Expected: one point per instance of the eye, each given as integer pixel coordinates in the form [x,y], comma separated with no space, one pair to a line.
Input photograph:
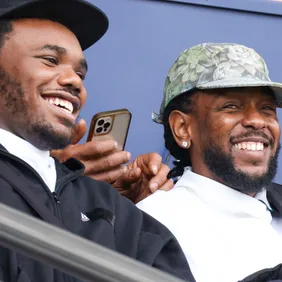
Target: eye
[82,76]
[230,106]
[51,60]
[269,108]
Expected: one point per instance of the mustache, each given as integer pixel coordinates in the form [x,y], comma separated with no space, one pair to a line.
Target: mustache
[253,133]
[73,91]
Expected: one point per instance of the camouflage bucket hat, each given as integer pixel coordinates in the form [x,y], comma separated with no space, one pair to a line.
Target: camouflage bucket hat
[216,65]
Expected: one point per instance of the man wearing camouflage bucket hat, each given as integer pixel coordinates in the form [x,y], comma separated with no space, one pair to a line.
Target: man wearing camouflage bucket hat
[220,123]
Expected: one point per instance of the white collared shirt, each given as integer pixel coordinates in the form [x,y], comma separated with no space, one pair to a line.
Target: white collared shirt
[225,235]
[39,160]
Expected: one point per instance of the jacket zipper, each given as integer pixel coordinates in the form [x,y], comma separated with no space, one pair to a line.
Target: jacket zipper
[53,195]
[56,197]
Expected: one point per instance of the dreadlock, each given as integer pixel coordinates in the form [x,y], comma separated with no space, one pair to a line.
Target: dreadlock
[186,104]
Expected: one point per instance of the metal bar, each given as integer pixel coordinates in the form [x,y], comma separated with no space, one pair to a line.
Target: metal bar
[70,253]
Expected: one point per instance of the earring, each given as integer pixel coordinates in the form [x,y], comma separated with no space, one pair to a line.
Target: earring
[184,144]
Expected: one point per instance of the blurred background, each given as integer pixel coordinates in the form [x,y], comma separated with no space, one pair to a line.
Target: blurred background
[128,67]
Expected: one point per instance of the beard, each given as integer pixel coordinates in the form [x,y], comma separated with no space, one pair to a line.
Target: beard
[19,119]
[222,165]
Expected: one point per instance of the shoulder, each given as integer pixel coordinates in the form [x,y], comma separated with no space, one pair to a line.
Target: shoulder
[165,205]
[165,200]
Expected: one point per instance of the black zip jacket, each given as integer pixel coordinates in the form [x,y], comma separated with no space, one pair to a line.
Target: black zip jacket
[266,275]
[274,196]
[114,222]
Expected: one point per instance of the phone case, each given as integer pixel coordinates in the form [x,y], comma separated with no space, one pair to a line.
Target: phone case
[110,125]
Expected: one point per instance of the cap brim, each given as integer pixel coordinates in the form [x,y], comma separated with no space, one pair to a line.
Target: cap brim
[85,20]
[245,82]
[234,83]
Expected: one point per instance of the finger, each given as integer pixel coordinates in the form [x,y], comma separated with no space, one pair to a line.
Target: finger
[160,179]
[130,176]
[92,150]
[149,163]
[79,131]
[111,175]
[167,186]
[106,162]
[155,163]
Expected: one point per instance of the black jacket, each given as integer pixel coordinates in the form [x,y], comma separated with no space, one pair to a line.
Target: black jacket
[266,275]
[114,221]
[274,196]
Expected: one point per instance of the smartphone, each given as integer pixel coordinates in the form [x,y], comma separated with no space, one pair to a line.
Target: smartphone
[112,125]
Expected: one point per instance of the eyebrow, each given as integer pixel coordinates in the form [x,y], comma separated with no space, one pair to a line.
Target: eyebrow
[56,48]
[63,51]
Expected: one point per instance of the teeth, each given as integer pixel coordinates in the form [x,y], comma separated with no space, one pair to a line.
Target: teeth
[250,146]
[66,105]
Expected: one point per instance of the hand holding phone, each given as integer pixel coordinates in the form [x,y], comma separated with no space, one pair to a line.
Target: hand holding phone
[110,125]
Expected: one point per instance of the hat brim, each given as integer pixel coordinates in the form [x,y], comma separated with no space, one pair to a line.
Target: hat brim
[245,82]
[234,83]
[85,20]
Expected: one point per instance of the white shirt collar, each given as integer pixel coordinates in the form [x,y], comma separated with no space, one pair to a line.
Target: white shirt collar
[262,197]
[38,159]
[222,197]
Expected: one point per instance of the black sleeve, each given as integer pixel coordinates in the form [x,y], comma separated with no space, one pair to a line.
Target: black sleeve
[8,261]
[149,241]
[266,275]
[170,257]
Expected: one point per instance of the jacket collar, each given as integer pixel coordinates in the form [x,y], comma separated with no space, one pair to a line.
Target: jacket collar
[274,196]
[71,165]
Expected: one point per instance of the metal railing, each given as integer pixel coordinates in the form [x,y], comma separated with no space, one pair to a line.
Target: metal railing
[70,253]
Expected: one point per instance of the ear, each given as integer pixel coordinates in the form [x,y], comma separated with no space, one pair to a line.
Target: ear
[180,125]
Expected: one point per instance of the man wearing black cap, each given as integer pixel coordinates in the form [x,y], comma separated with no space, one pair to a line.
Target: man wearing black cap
[42,68]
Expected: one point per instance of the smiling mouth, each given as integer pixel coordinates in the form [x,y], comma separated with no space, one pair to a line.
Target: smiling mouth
[60,103]
[249,146]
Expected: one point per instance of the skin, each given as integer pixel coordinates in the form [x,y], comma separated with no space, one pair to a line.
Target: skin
[36,65]
[42,65]
[222,117]
[104,162]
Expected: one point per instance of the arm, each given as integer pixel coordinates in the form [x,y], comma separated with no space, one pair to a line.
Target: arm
[170,257]
[103,162]
[144,238]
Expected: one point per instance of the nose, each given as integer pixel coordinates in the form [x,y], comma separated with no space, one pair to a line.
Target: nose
[69,78]
[253,119]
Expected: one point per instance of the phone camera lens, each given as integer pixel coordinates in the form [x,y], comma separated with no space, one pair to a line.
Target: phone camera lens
[99,129]
[100,122]
[106,125]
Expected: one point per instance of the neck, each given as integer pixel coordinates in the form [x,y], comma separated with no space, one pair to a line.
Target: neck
[204,171]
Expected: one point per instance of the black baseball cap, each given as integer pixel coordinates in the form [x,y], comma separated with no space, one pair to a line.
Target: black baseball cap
[84,19]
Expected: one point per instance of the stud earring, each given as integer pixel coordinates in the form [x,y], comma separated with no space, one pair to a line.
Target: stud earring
[184,144]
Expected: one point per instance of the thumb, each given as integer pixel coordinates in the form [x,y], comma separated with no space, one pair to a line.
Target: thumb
[79,131]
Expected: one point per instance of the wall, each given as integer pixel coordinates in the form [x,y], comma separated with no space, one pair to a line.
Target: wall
[129,65]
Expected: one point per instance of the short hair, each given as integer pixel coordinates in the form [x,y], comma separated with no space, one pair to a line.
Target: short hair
[186,104]
[6,27]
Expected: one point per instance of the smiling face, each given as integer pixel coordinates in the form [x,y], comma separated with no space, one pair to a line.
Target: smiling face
[234,135]
[41,83]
